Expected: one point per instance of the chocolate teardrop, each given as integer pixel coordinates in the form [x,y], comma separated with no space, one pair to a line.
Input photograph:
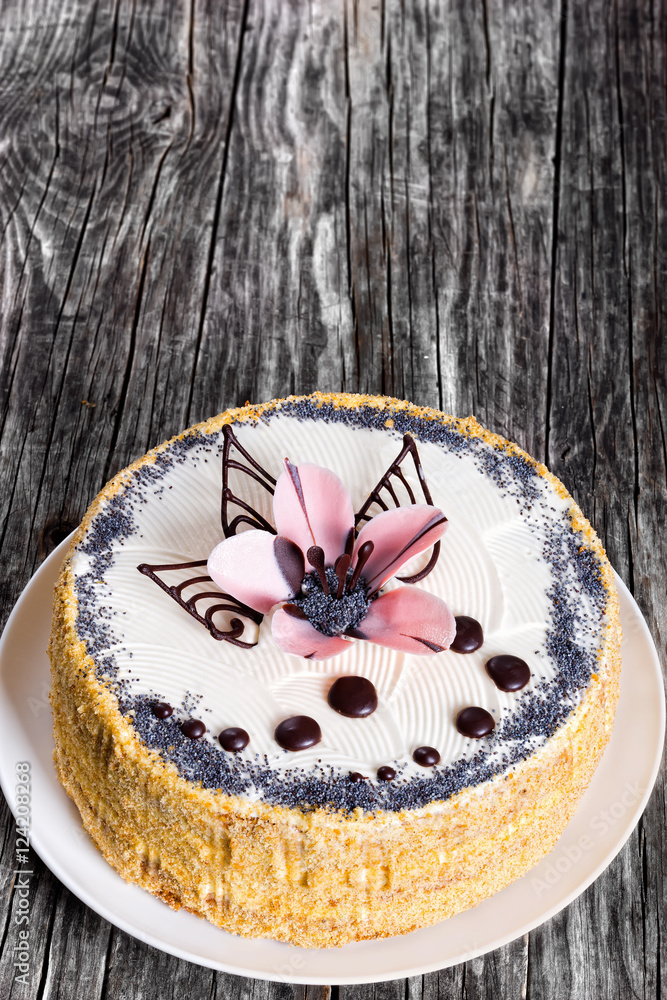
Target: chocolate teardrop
[426,756]
[469,635]
[298,733]
[193,728]
[509,673]
[354,697]
[233,739]
[475,722]
[162,710]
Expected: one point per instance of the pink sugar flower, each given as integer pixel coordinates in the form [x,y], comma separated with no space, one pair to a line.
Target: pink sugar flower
[326,581]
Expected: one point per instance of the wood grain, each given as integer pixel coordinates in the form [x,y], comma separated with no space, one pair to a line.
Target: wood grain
[458,203]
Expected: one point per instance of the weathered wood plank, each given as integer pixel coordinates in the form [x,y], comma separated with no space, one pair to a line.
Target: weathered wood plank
[202,203]
[77,953]
[642,92]
[279,318]
[115,120]
[492,136]
[605,438]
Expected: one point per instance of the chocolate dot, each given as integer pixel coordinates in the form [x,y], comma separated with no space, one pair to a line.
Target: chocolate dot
[386,773]
[354,697]
[426,756]
[475,722]
[161,710]
[355,776]
[509,673]
[193,728]
[298,733]
[233,738]
[469,635]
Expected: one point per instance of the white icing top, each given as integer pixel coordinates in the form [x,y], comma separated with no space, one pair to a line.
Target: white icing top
[491,567]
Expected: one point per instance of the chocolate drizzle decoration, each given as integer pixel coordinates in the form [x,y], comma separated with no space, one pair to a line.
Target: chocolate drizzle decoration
[252,469]
[249,516]
[395,472]
[225,603]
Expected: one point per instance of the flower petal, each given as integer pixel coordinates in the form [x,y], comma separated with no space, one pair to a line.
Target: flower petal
[297,636]
[397,536]
[409,619]
[312,507]
[257,568]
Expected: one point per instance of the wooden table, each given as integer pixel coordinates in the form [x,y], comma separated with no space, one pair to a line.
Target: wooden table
[460,203]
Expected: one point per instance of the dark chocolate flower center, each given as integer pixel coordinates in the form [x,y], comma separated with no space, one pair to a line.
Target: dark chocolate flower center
[328,613]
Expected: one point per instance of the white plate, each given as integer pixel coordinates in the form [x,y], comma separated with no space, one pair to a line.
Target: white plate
[606,816]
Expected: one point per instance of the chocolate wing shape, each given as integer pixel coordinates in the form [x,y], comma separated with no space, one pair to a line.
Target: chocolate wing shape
[251,468]
[384,494]
[234,456]
[224,602]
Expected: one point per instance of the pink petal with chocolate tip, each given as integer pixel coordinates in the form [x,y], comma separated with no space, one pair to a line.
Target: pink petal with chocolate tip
[397,536]
[298,637]
[312,507]
[247,567]
[410,620]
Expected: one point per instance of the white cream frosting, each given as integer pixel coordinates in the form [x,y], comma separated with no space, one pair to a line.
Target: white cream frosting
[491,567]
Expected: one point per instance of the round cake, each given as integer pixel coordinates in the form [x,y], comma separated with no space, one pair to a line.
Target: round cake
[331,668]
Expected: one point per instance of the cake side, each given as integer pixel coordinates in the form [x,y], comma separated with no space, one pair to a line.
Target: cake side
[314,876]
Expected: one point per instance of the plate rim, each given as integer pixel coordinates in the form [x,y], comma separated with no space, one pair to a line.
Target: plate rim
[40,844]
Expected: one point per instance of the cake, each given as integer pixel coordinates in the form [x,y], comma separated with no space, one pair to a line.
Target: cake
[344,740]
